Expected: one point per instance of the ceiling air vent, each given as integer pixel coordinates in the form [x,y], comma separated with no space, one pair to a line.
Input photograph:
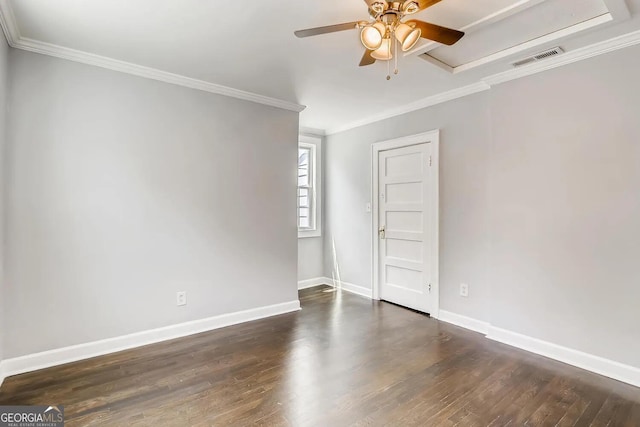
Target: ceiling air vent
[539,57]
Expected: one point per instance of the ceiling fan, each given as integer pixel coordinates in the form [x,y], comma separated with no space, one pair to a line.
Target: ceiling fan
[381,36]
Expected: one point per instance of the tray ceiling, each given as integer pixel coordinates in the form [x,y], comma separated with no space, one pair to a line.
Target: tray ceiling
[250,46]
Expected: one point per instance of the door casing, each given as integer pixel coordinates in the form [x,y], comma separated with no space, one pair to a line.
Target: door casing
[431,137]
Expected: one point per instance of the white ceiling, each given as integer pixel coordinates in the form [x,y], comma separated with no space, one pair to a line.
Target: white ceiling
[251,46]
[544,18]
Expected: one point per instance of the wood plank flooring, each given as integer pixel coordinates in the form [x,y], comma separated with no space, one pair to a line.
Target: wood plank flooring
[341,361]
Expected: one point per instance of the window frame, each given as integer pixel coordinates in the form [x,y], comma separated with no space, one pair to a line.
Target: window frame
[314,145]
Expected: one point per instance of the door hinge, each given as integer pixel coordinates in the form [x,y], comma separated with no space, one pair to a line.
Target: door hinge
[430,161]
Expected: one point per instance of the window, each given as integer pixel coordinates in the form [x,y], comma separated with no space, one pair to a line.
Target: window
[305,188]
[309,221]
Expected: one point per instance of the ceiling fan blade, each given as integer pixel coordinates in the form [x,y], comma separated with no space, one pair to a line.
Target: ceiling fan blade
[437,33]
[367,59]
[423,4]
[328,29]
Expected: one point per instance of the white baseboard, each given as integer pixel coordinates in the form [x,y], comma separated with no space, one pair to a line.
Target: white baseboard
[599,365]
[589,362]
[46,359]
[354,289]
[464,321]
[2,375]
[345,286]
[316,281]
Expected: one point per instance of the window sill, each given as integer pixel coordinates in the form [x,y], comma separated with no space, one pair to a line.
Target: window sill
[309,233]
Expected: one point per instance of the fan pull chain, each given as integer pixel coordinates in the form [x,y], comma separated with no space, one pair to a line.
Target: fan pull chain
[389,63]
[395,54]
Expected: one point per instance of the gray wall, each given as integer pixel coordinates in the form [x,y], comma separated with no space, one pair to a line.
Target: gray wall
[465,141]
[123,190]
[310,258]
[540,205]
[4,52]
[565,206]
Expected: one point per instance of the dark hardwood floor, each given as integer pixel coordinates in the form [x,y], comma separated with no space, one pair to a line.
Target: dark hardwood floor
[343,360]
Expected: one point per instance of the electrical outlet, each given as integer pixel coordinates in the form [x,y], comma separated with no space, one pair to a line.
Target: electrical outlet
[464,290]
[181,298]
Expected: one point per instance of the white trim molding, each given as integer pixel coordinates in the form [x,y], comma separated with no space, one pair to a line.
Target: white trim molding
[46,359]
[464,322]
[311,132]
[8,22]
[314,143]
[511,9]
[547,38]
[150,73]
[15,40]
[580,54]
[353,289]
[2,375]
[596,49]
[417,105]
[599,365]
[617,9]
[589,362]
[312,283]
[336,284]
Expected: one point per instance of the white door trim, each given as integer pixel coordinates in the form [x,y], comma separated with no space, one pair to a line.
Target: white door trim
[431,137]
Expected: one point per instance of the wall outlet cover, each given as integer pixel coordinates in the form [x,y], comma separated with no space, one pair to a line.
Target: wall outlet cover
[181,298]
[464,290]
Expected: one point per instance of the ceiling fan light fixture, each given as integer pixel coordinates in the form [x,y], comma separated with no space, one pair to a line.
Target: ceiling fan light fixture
[385,35]
[410,7]
[372,35]
[407,36]
[383,53]
[378,6]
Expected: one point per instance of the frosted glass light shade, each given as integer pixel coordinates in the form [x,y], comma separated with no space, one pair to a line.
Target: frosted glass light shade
[383,53]
[378,6]
[410,7]
[407,36]
[371,36]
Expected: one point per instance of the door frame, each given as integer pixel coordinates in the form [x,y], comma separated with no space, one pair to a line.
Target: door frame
[431,137]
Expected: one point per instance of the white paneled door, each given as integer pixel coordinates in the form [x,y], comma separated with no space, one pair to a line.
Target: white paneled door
[405,236]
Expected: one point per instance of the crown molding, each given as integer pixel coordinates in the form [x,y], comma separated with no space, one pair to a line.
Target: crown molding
[417,105]
[537,42]
[596,49]
[150,73]
[312,131]
[8,23]
[618,11]
[496,16]
[522,47]
[12,33]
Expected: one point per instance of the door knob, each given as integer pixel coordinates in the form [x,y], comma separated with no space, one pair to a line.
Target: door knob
[381,232]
